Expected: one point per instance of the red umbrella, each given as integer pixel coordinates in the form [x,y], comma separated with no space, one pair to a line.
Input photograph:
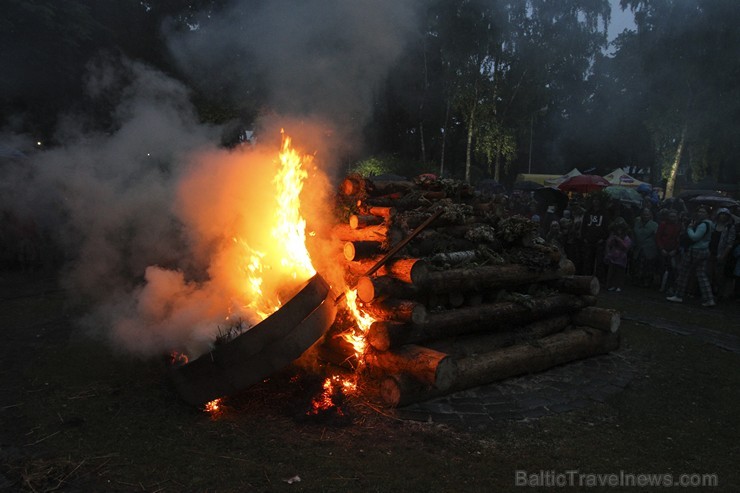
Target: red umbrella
[583,184]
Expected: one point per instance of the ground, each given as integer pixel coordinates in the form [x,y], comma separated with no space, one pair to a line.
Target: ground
[76,416]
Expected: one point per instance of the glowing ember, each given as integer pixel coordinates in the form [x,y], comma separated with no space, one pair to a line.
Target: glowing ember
[335,388]
[287,261]
[178,358]
[213,407]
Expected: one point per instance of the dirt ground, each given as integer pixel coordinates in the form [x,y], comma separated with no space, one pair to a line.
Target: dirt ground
[76,416]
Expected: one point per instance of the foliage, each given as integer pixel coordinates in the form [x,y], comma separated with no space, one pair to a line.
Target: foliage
[483,86]
[374,166]
[388,165]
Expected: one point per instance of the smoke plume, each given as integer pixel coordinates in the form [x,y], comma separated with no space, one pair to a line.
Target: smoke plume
[150,216]
[323,58]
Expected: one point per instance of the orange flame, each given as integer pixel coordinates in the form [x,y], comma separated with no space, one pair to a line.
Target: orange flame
[356,335]
[332,386]
[213,407]
[287,262]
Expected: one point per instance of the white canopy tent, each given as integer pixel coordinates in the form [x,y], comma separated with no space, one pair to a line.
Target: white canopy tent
[554,182]
[620,177]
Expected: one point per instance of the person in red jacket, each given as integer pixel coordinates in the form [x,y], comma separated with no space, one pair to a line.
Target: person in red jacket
[666,238]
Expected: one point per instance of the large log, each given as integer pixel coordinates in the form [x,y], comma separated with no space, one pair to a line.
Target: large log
[588,285]
[426,365]
[511,361]
[384,212]
[344,232]
[380,334]
[490,277]
[383,287]
[352,185]
[481,343]
[359,222]
[408,270]
[604,319]
[386,187]
[397,311]
[467,320]
[361,249]
[453,257]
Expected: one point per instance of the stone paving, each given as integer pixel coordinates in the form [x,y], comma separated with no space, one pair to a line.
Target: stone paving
[560,389]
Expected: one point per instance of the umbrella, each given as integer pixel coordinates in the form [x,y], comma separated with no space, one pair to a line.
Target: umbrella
[551,196]
[624,194]
[583,184]
[688,194]
[715,201]
[526,185]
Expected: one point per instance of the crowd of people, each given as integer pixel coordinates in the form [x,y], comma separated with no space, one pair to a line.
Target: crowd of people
[681,250]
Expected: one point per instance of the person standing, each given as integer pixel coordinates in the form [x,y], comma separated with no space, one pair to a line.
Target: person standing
[615,254]
[595,233]
[666,239]
[645,251]
[696,258]
[723,277]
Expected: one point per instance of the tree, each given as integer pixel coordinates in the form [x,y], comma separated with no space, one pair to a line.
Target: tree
[688,54]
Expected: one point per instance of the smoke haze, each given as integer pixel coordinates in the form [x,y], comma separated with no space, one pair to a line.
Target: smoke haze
[323,58]
[150,215]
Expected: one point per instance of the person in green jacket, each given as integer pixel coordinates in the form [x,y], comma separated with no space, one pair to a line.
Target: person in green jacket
[696,258]
[645,249]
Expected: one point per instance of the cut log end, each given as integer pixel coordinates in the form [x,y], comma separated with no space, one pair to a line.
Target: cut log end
[604,319]
[354,250]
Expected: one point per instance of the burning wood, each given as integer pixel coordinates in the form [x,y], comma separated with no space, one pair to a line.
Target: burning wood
[448,295]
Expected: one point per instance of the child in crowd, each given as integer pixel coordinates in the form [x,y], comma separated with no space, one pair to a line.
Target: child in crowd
[615,255]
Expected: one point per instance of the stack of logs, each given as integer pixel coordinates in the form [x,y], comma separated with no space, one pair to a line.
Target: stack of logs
[473,298]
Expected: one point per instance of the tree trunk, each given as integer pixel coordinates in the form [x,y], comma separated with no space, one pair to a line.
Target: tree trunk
[671,182]
[469,142]
[444,140]
[497,168]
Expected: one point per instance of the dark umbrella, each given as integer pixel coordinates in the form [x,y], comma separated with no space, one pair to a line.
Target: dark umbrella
[715,201]
[526,186]
[551,196]
[584,184]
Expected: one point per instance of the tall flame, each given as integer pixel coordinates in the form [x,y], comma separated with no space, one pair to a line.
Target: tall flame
[356,336]
[287,261]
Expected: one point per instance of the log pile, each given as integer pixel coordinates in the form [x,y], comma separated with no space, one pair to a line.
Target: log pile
[462,294]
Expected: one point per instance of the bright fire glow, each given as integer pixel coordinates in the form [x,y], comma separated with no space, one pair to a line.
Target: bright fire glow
[356,336]
[213,406]
[332,386]
[287,262]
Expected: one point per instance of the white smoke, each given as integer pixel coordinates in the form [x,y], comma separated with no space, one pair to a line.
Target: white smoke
[322,58]
[142,211]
